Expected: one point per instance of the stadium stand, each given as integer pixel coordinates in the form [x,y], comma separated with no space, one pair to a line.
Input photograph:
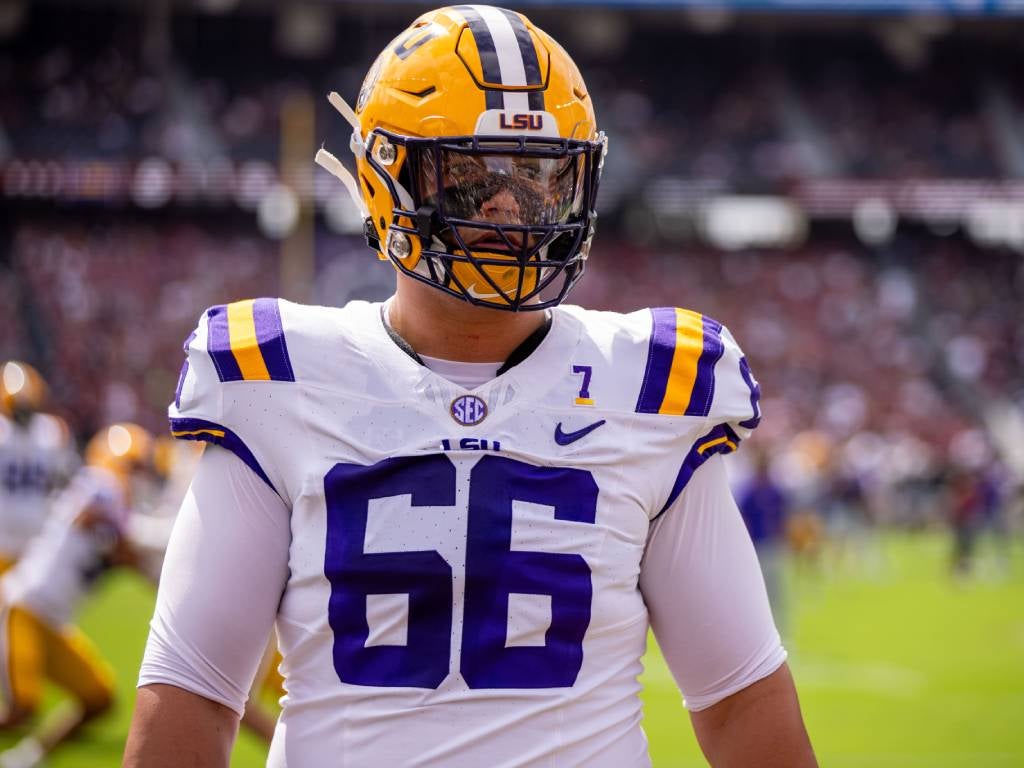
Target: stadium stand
[892,347]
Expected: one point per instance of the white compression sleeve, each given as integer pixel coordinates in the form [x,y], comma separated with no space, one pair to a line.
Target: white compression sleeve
[706,597]
[222,580]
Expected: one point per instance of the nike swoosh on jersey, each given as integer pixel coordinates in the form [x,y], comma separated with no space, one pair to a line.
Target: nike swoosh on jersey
[565,438]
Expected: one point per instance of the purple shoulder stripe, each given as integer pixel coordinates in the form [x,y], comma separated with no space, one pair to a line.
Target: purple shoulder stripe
[270,336]
[721,439]
[755,396]
[704,383]
[659,360]
[211,432]
[184,370]
[219,344]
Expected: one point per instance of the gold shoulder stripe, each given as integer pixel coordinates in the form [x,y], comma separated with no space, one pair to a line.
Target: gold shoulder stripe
[717,441]
[683,373]
[244,344]
[187,432]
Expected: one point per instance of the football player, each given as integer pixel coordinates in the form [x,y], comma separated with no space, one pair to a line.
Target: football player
[40,595]
[464,507]
[36,457]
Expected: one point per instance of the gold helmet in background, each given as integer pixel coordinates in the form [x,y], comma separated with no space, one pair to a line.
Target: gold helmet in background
[23,390]
[477,158]
[121,448]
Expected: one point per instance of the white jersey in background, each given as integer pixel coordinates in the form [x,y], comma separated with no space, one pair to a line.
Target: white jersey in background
[60,564]
[34,460]
[149,525]
[465,577]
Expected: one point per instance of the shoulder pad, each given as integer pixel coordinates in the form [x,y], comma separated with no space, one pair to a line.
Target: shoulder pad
[684,348]
[696,368]
[239,342]
[245,341]
[707,375]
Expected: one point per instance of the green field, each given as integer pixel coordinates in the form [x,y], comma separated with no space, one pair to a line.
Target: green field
[897,665]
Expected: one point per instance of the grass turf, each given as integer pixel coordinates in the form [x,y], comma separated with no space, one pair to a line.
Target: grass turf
[898,665]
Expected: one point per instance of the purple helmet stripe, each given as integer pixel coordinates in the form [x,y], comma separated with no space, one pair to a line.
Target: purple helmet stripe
[531,62]
[488,53]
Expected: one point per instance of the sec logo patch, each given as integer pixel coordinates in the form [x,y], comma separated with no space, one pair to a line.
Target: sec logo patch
[468,410]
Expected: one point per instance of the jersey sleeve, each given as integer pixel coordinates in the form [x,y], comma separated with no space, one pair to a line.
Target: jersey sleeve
[695,368]
[705,594]
[232,359]
[223,577]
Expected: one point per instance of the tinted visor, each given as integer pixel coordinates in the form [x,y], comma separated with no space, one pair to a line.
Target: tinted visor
[497,188]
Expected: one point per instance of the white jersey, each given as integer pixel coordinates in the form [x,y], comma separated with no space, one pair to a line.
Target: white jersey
[149,526]
[61,563]
[463,568]
[34,459]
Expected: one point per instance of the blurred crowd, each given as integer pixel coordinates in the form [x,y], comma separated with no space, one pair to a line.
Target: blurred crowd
[885,370]
[886,374]
[892,374]
[103,309]
[879,369]
[747,107]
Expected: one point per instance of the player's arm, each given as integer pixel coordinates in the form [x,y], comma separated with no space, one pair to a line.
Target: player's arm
[759,725]
[225,571]
[710,614]
[173,727]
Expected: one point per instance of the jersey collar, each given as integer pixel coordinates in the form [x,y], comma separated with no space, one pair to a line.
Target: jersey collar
[519,354]
[529,373]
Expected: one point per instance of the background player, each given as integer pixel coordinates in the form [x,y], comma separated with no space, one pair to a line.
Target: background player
[41,594]
[36,458]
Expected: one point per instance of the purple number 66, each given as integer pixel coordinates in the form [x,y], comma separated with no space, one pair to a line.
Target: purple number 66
[493,572]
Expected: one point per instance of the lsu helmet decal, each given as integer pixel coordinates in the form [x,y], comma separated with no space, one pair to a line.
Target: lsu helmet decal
[477,158]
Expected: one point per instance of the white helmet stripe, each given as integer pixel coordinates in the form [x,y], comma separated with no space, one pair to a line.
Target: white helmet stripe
[488,56]
[531,61]
[510,56]
[507,55]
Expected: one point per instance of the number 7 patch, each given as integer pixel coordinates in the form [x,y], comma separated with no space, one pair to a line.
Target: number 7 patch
[583,397]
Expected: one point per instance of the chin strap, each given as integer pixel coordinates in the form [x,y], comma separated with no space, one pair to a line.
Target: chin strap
[355,143]
[346,111]
[333,165]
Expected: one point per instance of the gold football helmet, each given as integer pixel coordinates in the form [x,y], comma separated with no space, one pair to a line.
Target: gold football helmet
[477,158]
[22,389]
[121,448]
